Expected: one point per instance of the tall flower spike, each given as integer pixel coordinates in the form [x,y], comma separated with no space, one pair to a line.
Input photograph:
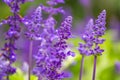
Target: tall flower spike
[92,39]
[88,37]
[33,24]
[8,55]
[92,35]
[99,27]
[99,30]
[64,31]
[33,33]
[85,48]
[52,51]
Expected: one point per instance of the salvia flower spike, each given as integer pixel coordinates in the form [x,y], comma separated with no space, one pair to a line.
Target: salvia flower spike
[33,33]
[8,56]
[52,51]
[99,30]
[92,38]
[85,48]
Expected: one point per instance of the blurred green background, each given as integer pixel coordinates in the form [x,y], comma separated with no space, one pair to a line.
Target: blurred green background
[82,11]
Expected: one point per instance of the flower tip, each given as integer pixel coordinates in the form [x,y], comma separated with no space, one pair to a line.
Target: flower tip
[90,21]
[69,19]
[104,11]
[39,9]
[90,24]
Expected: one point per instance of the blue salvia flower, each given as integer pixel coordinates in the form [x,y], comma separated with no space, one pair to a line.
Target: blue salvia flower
[8,55]
[92,35]
[52,50]
[33,24]
[88,37]
[99,30]
[92,38]
[34,29]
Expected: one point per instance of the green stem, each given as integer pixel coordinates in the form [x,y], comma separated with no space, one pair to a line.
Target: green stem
[81,69]
[94,68]
[30,59]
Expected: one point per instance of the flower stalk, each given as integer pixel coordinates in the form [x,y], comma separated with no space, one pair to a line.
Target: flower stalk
[30,59]
[94,68]
[81,69]
[92,39]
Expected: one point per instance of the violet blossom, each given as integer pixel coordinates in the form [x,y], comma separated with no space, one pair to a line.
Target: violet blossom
[8,55]
[52,51]
[33,24]
[92,35]
[92,39]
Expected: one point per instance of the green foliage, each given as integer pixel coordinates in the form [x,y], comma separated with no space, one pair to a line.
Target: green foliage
[19,75]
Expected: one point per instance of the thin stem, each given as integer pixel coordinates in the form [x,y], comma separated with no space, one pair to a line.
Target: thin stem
[94,68]
[81,69]
[30,59]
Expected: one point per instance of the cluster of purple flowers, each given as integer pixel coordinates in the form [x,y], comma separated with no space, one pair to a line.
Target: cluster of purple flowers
[52,51]
[8,55]
[53,47]
[92,35]
[33,24]
[92,38]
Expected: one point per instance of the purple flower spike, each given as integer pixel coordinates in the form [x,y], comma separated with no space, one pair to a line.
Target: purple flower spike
[33,24]
[8,55]
[88,37]
[64,31]
[52,50]
[91,37]
[99,27]
[92,34]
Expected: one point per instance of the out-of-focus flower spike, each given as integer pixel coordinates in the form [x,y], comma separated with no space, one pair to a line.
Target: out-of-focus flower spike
[100,23]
